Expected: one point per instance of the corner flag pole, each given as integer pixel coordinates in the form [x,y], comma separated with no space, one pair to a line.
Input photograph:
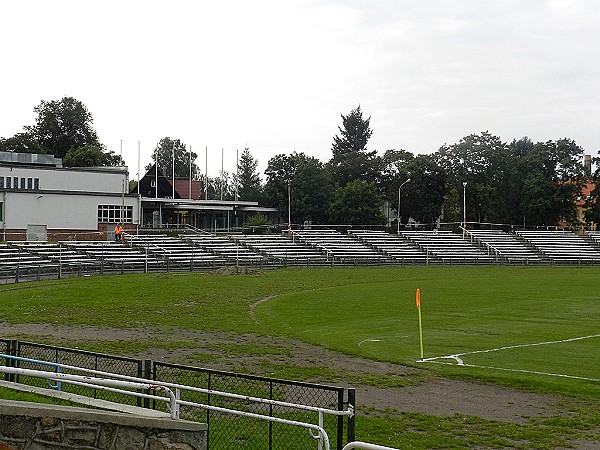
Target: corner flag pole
[418,301]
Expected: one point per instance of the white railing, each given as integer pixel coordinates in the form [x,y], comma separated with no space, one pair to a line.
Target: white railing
[119,383]
[366,446]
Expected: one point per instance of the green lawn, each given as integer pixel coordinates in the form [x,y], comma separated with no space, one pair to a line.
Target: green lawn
[532,327]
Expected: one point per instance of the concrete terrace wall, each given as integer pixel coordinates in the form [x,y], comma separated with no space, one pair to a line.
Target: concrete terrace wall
[32,426]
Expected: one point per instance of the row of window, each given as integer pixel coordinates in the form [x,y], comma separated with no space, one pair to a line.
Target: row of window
[115,213]
[19,183]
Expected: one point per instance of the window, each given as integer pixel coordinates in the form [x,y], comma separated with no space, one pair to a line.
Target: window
[36,183]
[7,182]
[23,183]
[112,213]
[1,211]
[29,183]
[1,182]
[15,182]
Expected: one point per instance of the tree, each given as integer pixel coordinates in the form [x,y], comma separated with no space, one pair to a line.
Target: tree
[350,159]
[523,182]
[311,192]
[592,213]
[483,162]
[247,179]
[258,222]
[21,143]
[357,203]
[423,196]
[63,128]
[548,177]
[280,171]
[91,156]
[62,125]
[309,183]
[220,188]
[168,150]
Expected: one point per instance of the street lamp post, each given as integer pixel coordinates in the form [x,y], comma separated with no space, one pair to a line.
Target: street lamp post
[399,188]
[464,205]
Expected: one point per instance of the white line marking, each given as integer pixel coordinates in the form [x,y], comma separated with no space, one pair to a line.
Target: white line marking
[368,340]
[520,370]
[457,357]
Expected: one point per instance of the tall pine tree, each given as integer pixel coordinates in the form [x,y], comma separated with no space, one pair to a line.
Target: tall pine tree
[351,160]
[248,180]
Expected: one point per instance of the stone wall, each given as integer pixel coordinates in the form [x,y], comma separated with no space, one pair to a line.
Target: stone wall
[32,426]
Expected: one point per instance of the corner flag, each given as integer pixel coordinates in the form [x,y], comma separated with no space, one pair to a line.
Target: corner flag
[418,302]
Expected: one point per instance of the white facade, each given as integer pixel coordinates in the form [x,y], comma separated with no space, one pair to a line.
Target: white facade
[70,200]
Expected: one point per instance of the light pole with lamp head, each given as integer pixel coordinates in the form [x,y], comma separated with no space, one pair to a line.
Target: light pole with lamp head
[399,188]
[464,206]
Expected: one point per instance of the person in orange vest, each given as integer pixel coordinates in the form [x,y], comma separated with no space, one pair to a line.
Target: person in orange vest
[118,233]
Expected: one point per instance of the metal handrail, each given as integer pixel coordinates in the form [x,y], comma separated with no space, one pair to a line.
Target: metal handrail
[366,446]
[173,391]
[349,412]
[103,383]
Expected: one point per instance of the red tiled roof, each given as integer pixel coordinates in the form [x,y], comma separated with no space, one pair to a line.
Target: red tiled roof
[586,191]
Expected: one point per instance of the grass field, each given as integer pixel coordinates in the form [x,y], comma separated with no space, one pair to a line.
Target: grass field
[529,327]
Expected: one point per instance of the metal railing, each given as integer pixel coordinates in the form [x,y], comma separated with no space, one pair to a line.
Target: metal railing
[204,387]
[366,446]
[138,387]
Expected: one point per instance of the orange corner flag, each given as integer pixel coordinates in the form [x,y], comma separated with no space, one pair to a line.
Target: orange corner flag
[418,298]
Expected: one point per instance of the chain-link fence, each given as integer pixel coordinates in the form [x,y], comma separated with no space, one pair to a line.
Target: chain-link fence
[225,431]
[232,432]
[73,357]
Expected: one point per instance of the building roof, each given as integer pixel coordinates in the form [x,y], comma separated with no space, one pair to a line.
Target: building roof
[182,188]
[586,192]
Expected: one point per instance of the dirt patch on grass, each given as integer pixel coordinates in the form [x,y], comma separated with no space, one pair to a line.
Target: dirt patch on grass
[379,386]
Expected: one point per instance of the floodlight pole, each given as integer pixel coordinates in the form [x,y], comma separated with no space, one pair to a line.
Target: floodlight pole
[399,188]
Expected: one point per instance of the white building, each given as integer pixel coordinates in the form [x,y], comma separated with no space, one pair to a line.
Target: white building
[41,200]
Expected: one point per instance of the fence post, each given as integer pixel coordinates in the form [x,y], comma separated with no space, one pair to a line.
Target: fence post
[148,375]
[352,420]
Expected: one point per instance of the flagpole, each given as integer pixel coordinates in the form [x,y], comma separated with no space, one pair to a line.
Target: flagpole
[418,301]
[173,195]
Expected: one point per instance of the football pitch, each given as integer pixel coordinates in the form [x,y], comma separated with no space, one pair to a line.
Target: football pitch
[528,326]
[517,324]
[534,328]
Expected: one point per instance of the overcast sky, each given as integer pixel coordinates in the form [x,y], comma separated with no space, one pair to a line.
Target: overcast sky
[276,75]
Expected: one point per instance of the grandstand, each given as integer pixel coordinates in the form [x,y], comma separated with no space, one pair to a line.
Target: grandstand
[505,247]
[341,248]
[280,248]
[396,248]
[173,251]
[562,247]
[155,251]
[448,248]
[227,248]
